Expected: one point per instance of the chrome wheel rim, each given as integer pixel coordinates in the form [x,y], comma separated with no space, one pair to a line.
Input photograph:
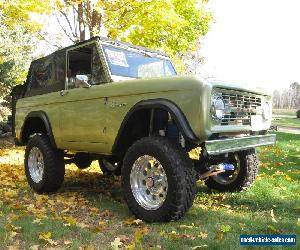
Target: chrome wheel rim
[36,164]
[148,181]
[229,176]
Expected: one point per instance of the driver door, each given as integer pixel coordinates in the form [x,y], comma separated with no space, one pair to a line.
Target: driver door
[82,121]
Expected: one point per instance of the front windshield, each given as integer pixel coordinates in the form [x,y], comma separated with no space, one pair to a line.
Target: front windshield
[136,64]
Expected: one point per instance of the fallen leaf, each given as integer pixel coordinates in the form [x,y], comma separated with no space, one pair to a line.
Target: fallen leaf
[123,238]
[13,235]
[13,247]
[87,248]
[11,227]
[82,225]
[67,242]
[138,235]
[94,210]
[10,194]
[97,229]
[116,244]
[186,226]
[225,228]
[69,220]
[133,221]
[65,210]
[273,229]
[288,178]
[203,235]
[219,236]
[106,213]
[46,236]
[34,247]
[199,247]
[37,221]
[272,216]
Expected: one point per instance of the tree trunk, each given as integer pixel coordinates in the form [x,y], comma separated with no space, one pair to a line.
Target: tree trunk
[81,23]
[96,23]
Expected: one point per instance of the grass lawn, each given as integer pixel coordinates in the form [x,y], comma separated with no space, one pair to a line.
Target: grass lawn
[89,213]
[287,122]
[289,112]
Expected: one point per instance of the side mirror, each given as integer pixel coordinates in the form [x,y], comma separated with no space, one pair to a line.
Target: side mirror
[81,81]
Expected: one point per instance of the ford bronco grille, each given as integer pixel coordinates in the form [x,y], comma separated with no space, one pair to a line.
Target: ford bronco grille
[239,107]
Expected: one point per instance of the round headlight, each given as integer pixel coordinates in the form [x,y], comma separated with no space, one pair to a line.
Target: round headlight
[217,107]
[267,110]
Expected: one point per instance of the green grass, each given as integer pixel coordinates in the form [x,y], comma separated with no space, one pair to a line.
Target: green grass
[287,122]
[290,112]
[214,222]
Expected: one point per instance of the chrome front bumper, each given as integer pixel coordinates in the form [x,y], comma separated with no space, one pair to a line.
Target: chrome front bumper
[217,147]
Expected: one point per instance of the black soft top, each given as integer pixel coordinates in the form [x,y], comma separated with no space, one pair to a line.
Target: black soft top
[103,39]
[19,91]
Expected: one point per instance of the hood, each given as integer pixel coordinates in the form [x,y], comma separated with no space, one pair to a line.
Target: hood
[239,86]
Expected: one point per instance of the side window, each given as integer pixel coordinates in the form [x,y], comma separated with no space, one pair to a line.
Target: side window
[85,61]
[60,70]
[42,73]
[46,75]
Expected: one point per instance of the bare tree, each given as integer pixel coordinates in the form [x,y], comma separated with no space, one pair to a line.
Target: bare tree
[289,98]
[295,95]
[276,99]
[79,21]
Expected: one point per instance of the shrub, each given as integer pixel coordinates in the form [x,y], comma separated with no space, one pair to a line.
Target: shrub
[298,113]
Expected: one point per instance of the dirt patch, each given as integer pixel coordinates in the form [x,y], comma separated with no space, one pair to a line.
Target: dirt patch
[7,142]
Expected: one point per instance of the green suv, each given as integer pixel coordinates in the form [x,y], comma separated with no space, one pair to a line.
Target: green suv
[125,106]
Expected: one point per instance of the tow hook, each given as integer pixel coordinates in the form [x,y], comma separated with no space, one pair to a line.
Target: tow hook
[216,169]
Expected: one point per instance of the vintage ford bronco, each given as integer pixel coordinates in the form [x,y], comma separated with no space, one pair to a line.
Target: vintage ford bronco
[124,106]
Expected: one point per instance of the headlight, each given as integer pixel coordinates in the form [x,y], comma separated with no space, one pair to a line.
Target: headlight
[217,107]
[267,110]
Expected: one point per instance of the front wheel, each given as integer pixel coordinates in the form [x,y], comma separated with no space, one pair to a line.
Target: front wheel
[44,165]
[241,178]
[158,180]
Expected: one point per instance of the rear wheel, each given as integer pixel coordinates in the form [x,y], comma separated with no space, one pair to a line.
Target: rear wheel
[241,178]
[82,160]
[158,180]
[44,165]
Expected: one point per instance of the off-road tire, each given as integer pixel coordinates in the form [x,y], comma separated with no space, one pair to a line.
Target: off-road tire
[82,161]
[180,173]
[107,171]
[54,169]
[249,166]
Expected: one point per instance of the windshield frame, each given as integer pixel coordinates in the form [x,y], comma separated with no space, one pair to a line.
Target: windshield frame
[131,48]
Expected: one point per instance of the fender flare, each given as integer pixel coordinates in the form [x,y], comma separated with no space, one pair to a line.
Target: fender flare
[44,117]
[164,104]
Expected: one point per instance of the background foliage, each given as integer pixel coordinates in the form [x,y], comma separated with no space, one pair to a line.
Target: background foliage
[288,99]
[173,26]
[16,46]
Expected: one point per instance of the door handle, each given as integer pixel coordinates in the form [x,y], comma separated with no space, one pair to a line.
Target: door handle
[63,92]
[105,100]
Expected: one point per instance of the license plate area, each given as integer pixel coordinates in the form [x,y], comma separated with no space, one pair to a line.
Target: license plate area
[256,122]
